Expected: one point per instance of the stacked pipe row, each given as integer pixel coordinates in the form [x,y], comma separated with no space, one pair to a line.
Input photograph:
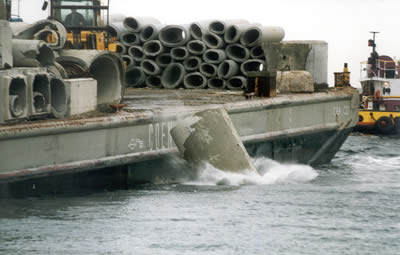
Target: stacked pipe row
[214,54]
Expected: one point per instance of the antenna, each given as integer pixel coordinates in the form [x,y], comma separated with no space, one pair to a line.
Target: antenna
[373,44]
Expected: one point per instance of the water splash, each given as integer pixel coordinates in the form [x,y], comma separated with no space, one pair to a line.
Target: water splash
[269,172]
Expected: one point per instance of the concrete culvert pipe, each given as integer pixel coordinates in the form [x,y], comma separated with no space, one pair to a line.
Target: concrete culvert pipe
[209,70]
[153,82]
[173,75]
[234,30]
[227,69]
[195,81]
[252,65]
[128,60]
[213,41]
[136,52]
[50,37]
[216,83]
[17,97]
[150,67]
[31,53]
[179,53]
[217,27]
[214,56]
[237,83]
[136,24]
[120,48]
[192,63]
[196,47]
[163,60]
[129,38]
[257,35]
[196,30]
[150,32]
[41,93]
[58,98]
[237,52]
[135,77]
[257,52]
[174,35]
[153,48]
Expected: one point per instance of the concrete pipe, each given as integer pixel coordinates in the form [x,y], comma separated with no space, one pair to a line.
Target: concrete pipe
[210,137]
[234,31]
[252,65]
[179,53]
[219,27]
[216,83]
[214,56]
[192,63]
[116,29]
[136,24]
[41,28]
[153,82]
[174,35]
[57,70]
[237,83]
[105,67]
[257,52]
[136,52]
[6,58]
[153,48]
[256,35]
[209,70]
[150,32]
[39,93]
[17,97]
[163,60]
[237,52]
[15,106]
[196,47]
[31,53]
[150,67]
[227,69]
[213,41]
[58,97]
[128,60]
[195,81]
[199,28]
[120,48]
[173,75]
[129,38]
[134,77]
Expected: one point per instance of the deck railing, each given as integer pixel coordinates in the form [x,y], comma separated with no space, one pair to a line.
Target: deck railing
[387,69]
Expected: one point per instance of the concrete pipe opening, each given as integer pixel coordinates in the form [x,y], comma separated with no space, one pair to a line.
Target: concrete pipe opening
[49,36]
[209,70]
[129,38]
[196,47]
[58,97]
[232,34]
[173,36]
[106,71]
[136,52]
[41,88]
[252,65]
[163,60]
[120,48]
[132,24]
[112,31]
[196,31]
[251,36]
[192,63]
[148,33]
[135,77]
[136,24]
[227,69]
[17,97]
[153,82]
[214,56]
[216,83]
[173,75]
[213,41]
[152,48]
[195,81]
[46,55]
[150,67]
[128,60]
[179,53]
[237,52]
[237,83]
[257,52]
[217,27]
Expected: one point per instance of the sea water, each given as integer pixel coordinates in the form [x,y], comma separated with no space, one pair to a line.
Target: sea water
[350,206]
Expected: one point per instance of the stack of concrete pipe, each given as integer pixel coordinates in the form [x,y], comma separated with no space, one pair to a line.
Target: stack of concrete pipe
[208,54]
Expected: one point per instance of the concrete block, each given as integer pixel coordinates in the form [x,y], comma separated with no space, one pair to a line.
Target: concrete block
[82,95]
[38,93]
[294,81]
[13,98]
[6,58]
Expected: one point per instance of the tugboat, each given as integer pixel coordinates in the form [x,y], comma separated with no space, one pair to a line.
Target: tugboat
[380,97]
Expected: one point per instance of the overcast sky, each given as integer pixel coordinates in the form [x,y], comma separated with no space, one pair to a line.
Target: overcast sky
[344,24]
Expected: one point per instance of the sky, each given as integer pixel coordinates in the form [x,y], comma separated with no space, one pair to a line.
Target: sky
[344,24]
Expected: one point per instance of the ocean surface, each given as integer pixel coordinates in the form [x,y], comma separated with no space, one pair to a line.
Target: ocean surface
[350,206]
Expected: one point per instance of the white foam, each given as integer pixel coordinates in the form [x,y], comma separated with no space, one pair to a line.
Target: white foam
[269,172]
